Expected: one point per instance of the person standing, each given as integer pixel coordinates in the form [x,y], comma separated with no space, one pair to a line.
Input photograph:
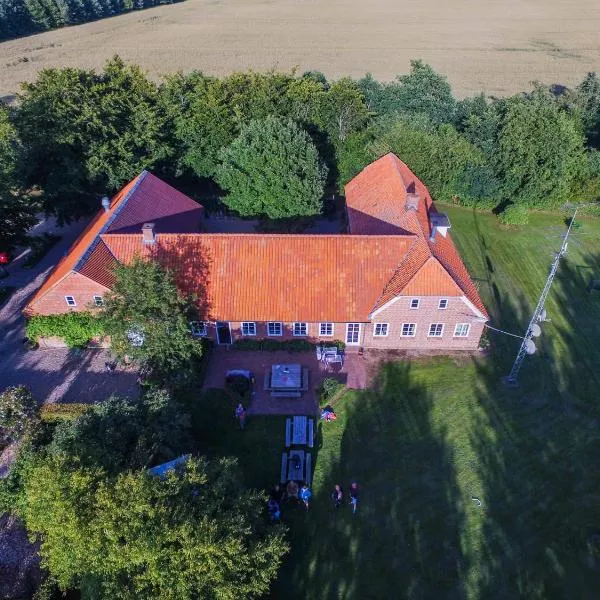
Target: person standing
[354,496]
[240,413]
[337,495]
[305,495]
[291,490]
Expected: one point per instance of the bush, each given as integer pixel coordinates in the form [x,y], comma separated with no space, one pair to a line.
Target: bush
[18,410]
[269,345]
[59,411]
[76,328]
[514,214]
[329,388]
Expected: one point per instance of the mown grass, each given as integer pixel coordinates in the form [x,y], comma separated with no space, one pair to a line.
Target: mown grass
[431,436]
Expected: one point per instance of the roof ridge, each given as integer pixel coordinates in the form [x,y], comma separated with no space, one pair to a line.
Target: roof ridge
[409,235]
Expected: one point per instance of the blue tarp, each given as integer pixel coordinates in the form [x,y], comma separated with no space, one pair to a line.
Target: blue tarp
[162,470]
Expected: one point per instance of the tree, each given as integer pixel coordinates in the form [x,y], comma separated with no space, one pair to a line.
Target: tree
[539,151]
[16,211]
[18,410]
[586,98]
[272,168]
[148,319]
[422,91]
[118,433]
[195,534]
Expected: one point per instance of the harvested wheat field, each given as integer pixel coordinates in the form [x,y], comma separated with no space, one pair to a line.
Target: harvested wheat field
[498,46]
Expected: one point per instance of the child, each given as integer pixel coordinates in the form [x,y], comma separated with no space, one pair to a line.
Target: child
[305,495]
[354,496]
[240,413]
[292,490]
[337,495]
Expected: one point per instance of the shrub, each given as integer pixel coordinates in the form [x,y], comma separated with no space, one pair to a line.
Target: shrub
[329,388]
[18,410]
[76,328]
[60,411]
[514,214]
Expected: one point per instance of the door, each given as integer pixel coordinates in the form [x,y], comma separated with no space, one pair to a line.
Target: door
[352,334]
[223,332]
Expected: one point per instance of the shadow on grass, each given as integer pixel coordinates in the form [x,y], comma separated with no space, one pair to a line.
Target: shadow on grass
[405,539]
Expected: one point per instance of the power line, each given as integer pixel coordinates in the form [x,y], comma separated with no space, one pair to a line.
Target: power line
[533,329]
[502,331]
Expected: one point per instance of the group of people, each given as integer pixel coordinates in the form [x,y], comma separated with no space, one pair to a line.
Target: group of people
[303,494]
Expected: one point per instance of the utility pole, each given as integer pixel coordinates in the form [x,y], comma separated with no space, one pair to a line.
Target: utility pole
[533,329]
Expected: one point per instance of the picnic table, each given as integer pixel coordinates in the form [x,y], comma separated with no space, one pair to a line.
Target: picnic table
[299,431]
[297,466]
[286,381]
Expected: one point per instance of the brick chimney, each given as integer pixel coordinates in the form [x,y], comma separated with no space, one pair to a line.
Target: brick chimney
[106,203]
[412,201]
[148,236]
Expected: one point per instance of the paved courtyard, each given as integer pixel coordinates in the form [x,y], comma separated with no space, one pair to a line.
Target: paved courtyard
[54,375]
[353,374]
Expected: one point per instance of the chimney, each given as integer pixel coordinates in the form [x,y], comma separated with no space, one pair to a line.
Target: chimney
[440,223]
[412,201]
[106,203]
[148,233]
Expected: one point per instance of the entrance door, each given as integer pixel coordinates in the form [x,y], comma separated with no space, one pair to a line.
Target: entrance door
[352,334]
[223,332]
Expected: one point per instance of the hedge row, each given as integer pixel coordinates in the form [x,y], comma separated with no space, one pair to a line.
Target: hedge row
[76,328]
[270,345]
[54,413]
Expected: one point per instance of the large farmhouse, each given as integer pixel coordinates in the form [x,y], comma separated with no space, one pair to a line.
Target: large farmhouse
[395,280]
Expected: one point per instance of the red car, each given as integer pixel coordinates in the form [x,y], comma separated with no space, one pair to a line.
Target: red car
[4,258]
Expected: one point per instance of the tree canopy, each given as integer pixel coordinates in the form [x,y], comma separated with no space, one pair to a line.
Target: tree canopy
[272,168]
[148,319]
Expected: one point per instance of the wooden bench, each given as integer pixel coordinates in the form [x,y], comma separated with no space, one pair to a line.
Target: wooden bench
[288,432]
[305,372]
[308,468]
[267,381]
[286,395]
[311,433]
[284,462]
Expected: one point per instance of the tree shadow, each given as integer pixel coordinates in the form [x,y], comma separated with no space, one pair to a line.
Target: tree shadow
[404,540]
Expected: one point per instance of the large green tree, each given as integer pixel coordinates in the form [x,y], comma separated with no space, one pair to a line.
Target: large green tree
[539,151]
[195,534]
[85,133]
[272,168]
[148,319]
[16,210]
[586,98]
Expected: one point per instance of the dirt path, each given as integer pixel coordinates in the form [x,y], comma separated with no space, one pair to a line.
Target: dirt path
[498,46]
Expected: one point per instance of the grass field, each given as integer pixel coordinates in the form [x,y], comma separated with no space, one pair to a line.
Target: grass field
[431,435]
[497,47]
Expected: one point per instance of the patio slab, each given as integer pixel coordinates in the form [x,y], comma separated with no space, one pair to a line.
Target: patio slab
[353,374]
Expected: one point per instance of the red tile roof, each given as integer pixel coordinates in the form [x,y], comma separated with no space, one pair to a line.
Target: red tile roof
[259,277]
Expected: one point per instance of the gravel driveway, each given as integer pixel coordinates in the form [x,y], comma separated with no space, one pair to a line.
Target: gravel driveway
[56,375]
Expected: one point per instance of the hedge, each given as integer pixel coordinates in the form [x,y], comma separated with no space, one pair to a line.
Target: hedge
[270,345]
[76,328]
[60,411]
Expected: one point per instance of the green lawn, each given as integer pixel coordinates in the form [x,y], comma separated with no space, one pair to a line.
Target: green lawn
[431,435]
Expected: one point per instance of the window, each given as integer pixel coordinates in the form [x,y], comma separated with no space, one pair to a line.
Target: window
[198,328]
[98,301]
[436,330]
[249,328]
[414,303]
[325,329]
[352,333]
[274,328]
[70,301]
[443,303]
[462,330]
[381,330]
[300,329]
[409,329]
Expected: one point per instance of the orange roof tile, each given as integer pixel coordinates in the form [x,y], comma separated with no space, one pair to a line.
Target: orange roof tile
[258,277]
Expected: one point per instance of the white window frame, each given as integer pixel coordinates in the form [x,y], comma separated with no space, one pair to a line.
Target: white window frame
[98,301]
[441,334]
[357,343]
[462,325]
[445,301]
[385,326]
[321,334]
[302,325]
[414,330]
[72,302]
[199,328]
[248,326]
[279,324]
[417,300]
